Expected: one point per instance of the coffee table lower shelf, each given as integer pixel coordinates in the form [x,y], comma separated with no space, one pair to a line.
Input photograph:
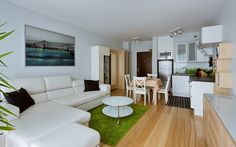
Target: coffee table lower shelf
[117,111]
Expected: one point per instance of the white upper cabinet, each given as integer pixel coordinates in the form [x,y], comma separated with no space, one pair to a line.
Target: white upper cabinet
[181,52]
[165,44]
[211,34]
[192,51]
[186,52]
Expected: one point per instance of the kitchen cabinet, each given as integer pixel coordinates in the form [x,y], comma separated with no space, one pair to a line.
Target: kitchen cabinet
[197,89]
[211,34]
[225,51]
[192,51]
[223,65]
[224,79]
[181,52]
[215,132]
[180,85]
[186,52]
[165,44]
[224,75]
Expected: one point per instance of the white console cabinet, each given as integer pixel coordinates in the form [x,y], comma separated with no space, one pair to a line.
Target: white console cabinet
[180,85]
[197,89]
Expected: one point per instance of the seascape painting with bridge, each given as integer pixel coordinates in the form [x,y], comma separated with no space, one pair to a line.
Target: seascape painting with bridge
[47,48]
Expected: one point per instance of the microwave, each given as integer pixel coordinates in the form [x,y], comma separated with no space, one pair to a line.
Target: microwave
[165,55]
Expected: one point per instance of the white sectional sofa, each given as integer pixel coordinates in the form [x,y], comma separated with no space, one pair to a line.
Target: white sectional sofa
[58,116]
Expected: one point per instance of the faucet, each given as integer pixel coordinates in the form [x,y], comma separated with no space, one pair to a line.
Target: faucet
[184,69]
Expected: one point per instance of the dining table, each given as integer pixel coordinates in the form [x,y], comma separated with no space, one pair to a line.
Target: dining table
[154,84]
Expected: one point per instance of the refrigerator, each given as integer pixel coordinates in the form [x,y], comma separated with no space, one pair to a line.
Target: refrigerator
[165,68]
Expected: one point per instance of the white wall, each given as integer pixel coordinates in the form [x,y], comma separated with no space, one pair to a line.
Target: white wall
[138,47]
[154,54]
[16,18]
[228,20]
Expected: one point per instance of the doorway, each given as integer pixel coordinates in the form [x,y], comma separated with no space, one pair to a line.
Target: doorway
[144,63]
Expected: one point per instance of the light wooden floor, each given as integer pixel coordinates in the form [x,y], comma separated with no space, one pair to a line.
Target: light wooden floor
[164,126]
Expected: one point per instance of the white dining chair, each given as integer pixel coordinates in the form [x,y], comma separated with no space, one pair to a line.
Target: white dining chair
[139,86]
[128,85]
[152,75]
[164,89]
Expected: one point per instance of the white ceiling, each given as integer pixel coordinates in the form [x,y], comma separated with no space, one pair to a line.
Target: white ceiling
[122,20]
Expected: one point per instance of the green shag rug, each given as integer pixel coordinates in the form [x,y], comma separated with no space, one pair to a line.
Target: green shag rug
[110,132]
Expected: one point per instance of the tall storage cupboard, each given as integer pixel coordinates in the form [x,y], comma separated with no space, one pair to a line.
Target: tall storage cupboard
[97,62]
[224,75]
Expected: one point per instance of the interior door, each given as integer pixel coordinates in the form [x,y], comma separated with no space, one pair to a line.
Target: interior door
[144,63]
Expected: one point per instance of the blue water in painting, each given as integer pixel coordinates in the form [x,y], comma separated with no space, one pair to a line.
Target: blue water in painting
[48,57]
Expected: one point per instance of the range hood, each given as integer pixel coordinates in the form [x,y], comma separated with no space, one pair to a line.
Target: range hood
[211,36]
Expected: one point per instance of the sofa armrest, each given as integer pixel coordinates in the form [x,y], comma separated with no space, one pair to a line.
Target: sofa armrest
[105,87]
[13,109]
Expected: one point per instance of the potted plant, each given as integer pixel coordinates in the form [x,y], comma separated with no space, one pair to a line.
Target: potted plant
[4,123]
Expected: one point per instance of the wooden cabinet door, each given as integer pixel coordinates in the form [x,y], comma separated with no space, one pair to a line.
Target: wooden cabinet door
[213,128]
[223,65]
[224,80]
[225,51]
[205,118]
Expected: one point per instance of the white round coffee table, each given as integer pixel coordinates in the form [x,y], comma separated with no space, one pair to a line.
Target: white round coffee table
[117,107]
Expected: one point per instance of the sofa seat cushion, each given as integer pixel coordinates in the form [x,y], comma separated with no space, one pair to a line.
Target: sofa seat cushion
[44,118]
[72,135]
[80,98]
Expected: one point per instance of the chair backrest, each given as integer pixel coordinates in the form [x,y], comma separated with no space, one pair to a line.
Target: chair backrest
[168,84]
[139,84]
[127,80]
[152,75]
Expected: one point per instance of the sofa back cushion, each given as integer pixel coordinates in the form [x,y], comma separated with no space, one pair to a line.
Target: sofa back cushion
[78,86]
[32,85]
[35,87]
[57,82]
[40,97]
[60,93]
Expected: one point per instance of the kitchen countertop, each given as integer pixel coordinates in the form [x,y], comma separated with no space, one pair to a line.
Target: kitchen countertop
[202,79]
[194,78]
[182,74]
[225,107]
